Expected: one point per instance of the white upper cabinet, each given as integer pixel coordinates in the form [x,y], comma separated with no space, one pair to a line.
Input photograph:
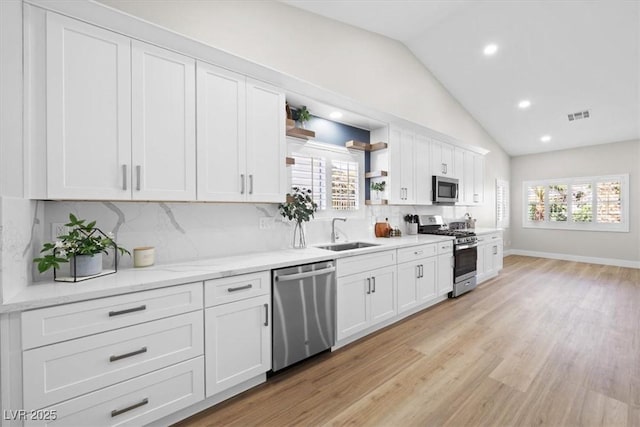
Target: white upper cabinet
[401,167]
[88,98]
[473,178]
[422,171]
[241,138]
[164,140]
[442,157]
[221,134]
[266,144]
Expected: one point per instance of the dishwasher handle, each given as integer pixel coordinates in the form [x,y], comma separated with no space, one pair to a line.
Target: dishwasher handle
[298,276]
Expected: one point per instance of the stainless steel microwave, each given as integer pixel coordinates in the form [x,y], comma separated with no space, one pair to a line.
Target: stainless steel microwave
[444,190]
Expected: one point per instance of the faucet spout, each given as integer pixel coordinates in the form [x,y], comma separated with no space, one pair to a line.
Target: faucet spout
[334,236]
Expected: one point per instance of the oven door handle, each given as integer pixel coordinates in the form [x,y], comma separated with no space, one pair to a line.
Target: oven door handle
[461,247]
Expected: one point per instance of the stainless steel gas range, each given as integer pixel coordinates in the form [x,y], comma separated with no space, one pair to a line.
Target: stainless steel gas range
[465,252]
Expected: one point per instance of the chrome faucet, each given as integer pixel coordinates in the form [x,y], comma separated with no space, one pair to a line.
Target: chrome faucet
[334,236]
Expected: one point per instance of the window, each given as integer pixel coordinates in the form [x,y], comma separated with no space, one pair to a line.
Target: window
[571,203]
[502,203]
[333,174]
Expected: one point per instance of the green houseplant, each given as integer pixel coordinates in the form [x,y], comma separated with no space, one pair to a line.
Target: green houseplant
[378,187]
[83,245]
[300,208]
[303,115]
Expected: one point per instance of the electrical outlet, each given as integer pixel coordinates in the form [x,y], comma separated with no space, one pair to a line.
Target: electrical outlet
[58,229]
[267,223]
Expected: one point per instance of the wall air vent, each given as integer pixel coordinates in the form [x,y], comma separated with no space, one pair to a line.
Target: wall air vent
[579,115]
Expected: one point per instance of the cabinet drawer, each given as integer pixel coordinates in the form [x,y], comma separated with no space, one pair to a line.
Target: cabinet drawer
[221,291]
[135,402]
[61,371]
[69,321]
[360,263]
[445,247]
[416,252]
[488,238]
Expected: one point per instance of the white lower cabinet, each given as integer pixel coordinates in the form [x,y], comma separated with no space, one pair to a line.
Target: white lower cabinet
[445,268]
[238,342]
[237,330]
[417,278]
[367,296]
[490,252]
[135,402]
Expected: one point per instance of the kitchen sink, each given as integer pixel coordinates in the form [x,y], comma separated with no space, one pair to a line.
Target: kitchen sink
[337,247]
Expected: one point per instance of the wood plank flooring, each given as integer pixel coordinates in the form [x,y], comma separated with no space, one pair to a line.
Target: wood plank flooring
[548,342]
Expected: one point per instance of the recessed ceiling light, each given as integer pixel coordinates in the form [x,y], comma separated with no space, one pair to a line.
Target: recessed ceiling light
[335,115]
[490,49]
[524,104]
[545,138]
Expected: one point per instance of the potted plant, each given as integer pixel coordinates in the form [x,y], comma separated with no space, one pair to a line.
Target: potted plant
[302,115]
[83,246]
[378,187]
[300,208]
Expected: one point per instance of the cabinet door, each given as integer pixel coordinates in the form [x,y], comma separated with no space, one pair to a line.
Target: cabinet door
[478,178]
[498,264]
[164,121]
[480,263]
[427,284]
[237,342]
[445,274]
[266,145]
[88,111]
[221,134]
[352,304]
[489,259]
[407,161]
[422,171]
[383,294]
[447,160]
[396,189]
[468,177]
[408,277]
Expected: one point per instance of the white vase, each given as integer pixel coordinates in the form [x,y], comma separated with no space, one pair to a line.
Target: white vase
[85,265]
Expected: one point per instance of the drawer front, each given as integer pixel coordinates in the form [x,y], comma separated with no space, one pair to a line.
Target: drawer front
[488,238]
[360,263]
[416,252]
[236,288]
[69,321]
[445,247]
[135,402]
[58,372]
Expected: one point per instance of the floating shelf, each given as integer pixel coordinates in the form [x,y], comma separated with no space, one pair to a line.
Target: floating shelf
[375,174]
[290,161]
[376,202]
[291,124]
[301,133]
[365,146]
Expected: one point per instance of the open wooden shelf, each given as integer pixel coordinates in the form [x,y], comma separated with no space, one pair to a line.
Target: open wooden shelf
[291,124]
[290,161]
[376,202]
[301,133]
[375,174]
[365,146]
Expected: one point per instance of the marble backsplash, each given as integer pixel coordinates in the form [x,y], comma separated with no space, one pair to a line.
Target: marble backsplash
[187,231]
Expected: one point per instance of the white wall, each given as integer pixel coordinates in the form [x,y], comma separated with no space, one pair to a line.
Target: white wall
[606,159]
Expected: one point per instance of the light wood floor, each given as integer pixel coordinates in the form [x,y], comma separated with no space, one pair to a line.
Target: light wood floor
[546,343]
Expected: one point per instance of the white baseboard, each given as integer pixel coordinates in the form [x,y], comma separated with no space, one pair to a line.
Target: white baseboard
[576,258]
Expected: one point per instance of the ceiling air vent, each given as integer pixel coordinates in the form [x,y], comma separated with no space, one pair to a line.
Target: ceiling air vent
[579,115]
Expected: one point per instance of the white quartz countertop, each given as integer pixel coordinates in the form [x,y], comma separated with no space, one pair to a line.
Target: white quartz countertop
[42,294]
[481,230]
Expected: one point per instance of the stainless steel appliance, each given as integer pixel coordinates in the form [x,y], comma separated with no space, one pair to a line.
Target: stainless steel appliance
[303,312]
[465,252]
[444,190]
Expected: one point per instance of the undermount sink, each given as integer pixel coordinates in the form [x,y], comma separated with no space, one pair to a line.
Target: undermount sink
[347,246]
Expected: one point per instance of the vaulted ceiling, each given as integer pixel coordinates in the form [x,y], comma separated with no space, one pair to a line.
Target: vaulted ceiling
[562,56]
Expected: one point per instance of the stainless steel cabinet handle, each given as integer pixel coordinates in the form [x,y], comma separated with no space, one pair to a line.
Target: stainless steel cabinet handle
[417,271]
[495,250]
[421,271]
[298,276]
[368,285]
[117,412]
[240,288]
[418,252]
[127,310]
[251,184]
[444,168]
[373,279]
[241,183]
[124,177]
[138,168]
[266,317]
[494,237]
[124,356]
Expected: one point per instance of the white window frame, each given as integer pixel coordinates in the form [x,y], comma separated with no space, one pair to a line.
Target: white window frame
[331,152]
[622,227]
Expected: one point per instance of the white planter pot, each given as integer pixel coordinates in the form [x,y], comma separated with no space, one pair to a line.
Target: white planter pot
[86,265]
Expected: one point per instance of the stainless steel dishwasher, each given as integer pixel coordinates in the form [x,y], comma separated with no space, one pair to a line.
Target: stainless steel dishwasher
[303,312]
